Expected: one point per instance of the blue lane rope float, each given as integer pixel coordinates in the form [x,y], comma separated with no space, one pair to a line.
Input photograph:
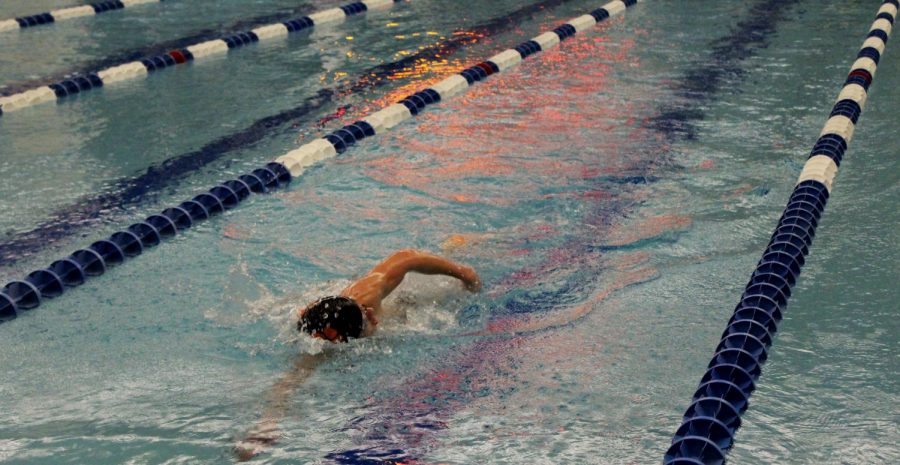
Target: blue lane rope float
[714,416]
[144,66]
[63,14]
[74,270]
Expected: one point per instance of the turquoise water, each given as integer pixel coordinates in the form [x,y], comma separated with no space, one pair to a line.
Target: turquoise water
[614,193]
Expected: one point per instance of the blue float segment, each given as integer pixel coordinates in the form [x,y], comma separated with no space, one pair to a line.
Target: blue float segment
[75,85]
[47,283]
[690,449]
[103,7]
[870,52]
[69,271]
[733,374]
[210,203]
[886,16]
[367,128]
[24,294]
[240,188]
[164,226]
[725,390]
[768,290]
[340,146]
[195,210]
[180,217]
[35,20]
[683,461]
[226,196]
[600,14]
[254,183]
[706,427]
[109,251]
[354,8]
[749,326]
[128,242]
[414,103]
[267,177]
[717,408]
[8,309]
[146,233]
[878,33]
[59,90]
[738,357]
[295,25]
[629,2]
[282,175]
[240,39]
[748,342]
[527,48]
[90,262]
[565,31]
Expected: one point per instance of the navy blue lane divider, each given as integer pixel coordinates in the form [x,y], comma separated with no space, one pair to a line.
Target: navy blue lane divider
[96,259]
[68,13]
[714,416]
[144,66]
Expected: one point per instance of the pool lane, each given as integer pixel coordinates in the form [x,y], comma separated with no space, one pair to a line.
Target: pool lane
[404,426]
[131,191]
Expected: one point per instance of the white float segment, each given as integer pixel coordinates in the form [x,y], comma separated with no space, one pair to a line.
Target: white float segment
[73,12]
[547,40]
[296,161]
[840,125]
[388,117]
[882,24]
[207,48]
[122,72]
[271,31]
[865,63]
[128,3]
[505,59]
[614,8]
[453,85]
[26,99]
[9,24]
[328,16]
[373,4]
[582,23]
[819,168]
[889,9]
[875,43]
[854,92]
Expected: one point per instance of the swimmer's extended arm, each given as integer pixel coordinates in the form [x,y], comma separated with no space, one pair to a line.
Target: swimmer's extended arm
[395,267]
[265,433]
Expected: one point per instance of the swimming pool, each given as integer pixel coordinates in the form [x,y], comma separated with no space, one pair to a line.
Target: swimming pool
[632,176]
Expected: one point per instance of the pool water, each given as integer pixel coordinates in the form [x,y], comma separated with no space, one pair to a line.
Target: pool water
[614,194]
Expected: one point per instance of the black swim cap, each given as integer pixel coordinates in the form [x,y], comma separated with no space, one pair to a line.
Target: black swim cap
[342,314]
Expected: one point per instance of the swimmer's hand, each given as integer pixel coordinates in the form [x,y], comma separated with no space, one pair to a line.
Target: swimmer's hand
[470,278]
[262,437]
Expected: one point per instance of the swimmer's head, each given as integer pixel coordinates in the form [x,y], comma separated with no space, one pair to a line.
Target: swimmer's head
[335,319]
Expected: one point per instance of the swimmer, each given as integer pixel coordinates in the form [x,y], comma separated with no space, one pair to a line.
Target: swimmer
[356,311]
[352,314]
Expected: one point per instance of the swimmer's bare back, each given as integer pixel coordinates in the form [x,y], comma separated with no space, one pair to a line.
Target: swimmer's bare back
[378,283]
